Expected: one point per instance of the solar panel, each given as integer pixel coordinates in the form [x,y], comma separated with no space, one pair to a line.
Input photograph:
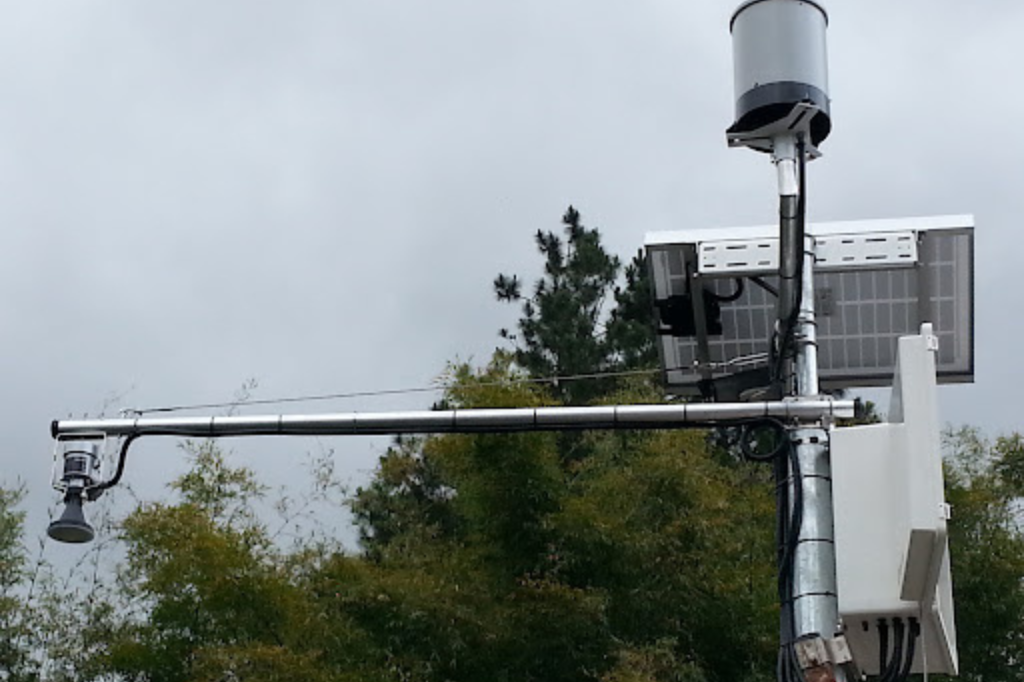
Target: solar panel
[874,282]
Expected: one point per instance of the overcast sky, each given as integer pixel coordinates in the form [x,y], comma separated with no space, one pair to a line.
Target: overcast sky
[316,195]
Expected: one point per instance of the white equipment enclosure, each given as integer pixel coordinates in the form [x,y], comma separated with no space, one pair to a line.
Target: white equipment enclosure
[892,558]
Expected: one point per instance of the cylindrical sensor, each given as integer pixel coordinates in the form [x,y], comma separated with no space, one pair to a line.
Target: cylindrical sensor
[780,65]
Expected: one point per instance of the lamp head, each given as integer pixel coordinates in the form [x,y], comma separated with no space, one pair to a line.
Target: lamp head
[79,470]
[72,526]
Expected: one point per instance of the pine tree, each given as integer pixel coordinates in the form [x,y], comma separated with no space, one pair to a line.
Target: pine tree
[499,557]
[565,329]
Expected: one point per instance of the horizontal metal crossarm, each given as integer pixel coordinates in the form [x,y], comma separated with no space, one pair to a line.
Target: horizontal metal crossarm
[636,417]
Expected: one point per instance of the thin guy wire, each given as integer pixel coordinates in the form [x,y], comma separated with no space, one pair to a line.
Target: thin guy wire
[393,391]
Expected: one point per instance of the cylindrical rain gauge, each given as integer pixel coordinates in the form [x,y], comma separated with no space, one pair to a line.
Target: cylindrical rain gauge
[780,67]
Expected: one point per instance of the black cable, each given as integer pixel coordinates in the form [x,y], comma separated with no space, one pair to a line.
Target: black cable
[796,671]
[398,391]
[796,515]
[788,477]
[95,491]
[796,525]
[759,281]
[801,221]
[748,433]
[785,340]
[883,645]
[897,667]
[788,523]
[915,631]
[789,520]
[403,391]
[896,662]
[734,296]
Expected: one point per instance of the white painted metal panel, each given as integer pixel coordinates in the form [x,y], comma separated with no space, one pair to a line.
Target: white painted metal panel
[892,557]
[875,250]
[872,251]
[817,229]
[753,256]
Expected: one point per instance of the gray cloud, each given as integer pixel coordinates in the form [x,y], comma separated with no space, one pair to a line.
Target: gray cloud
[317,195]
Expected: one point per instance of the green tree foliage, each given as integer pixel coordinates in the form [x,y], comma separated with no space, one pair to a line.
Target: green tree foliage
[578,570]
[16,634]
[476,595]
[201,594]
[407,495]
[631,323]
[565,329]
[648,562]
[643,557]
[984,487]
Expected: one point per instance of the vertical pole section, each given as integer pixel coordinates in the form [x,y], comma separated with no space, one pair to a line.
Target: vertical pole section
[784,155]
[815,600]
[806,337]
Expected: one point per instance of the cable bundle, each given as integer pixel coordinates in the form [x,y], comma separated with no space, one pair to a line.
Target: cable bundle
[788,521]
[896,668]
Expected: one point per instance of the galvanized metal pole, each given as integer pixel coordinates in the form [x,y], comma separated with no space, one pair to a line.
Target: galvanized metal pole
[815,597]
[634,417]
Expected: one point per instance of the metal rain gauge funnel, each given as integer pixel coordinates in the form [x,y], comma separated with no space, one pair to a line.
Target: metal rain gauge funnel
[780,66]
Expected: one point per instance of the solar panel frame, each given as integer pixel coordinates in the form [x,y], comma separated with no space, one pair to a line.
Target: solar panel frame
[862,309]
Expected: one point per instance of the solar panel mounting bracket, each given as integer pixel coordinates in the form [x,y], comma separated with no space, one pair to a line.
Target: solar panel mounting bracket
[834,252]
